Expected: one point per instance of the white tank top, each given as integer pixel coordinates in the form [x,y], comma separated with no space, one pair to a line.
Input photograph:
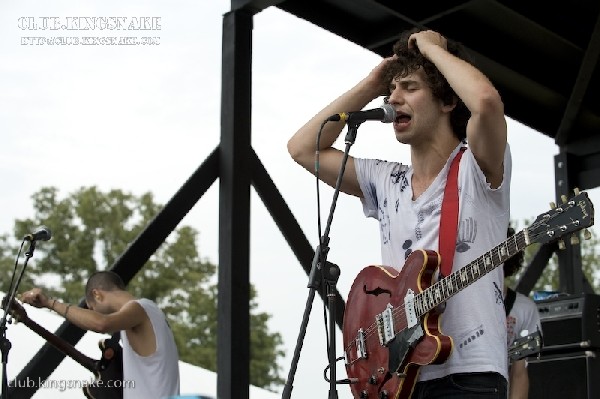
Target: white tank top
[155,376]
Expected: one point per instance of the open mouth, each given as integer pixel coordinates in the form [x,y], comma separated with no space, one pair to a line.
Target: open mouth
[402,118]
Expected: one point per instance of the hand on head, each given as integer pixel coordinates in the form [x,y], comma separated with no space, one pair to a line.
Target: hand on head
[425,37]
[377,79]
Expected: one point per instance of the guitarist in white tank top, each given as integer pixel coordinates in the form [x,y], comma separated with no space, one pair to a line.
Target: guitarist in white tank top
[150,358]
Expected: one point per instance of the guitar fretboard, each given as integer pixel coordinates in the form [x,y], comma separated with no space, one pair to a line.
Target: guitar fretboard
[449,286]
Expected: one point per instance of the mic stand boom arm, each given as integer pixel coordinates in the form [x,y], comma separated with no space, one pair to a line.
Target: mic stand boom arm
[329,274]
[7,301]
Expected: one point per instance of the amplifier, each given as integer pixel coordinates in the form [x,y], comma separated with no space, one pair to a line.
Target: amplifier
[573,376]
[570,322]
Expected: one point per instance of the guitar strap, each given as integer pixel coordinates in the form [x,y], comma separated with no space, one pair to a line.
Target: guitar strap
[509,300]
[449,216]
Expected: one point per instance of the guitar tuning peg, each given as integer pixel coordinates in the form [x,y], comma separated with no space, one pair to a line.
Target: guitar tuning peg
[552,205]
[574,240]
[576,190]
[561,244]
[586,234]
[563,198]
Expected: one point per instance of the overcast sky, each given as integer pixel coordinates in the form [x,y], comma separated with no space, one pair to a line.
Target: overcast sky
[143,118]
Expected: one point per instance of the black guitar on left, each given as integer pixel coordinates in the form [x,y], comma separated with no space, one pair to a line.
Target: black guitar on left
[108,370]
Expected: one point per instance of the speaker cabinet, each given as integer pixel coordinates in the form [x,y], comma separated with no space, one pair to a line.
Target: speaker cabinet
[571,320]
[573,376]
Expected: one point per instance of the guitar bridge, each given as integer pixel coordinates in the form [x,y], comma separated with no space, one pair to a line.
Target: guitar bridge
[361,346]
[385,325]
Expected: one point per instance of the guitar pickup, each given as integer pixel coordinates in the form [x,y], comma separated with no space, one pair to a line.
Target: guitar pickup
[409,308]
[385,325]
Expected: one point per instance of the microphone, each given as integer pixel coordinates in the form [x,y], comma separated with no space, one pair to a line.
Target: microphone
[41,234]
[386,114]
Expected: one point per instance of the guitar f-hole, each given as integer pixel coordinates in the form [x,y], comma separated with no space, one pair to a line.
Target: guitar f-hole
[377,291]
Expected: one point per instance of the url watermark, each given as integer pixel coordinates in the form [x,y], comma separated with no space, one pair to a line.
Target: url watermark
[63,385]
[89,41]
[98,31]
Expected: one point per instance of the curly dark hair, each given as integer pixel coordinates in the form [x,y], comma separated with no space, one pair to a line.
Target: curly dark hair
[512,265]
[410,60]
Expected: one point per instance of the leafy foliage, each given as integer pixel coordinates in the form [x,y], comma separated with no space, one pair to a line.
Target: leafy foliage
[95,228]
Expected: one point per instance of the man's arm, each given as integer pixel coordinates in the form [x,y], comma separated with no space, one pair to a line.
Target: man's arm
[129,316]
[518,380]
[486,129]
[302,145]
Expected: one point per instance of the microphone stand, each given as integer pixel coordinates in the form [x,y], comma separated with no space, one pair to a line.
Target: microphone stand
[5,344]
[329,274]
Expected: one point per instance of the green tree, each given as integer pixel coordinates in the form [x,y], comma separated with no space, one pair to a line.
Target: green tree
[95,228]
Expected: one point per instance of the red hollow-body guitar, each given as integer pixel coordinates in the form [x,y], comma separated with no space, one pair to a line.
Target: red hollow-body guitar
[391,326]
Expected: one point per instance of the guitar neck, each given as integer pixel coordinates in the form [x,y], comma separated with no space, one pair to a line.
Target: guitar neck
[61,344]
[451,285]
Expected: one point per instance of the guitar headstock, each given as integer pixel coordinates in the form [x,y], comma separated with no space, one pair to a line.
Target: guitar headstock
[16,309]
[571,216]
[525,346]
